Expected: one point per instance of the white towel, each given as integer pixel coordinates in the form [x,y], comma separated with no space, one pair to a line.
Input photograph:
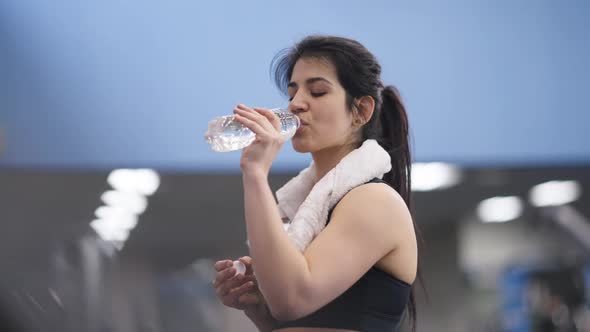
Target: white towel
[307,205]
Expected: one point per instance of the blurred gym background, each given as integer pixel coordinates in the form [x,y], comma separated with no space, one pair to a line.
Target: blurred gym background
[113,208]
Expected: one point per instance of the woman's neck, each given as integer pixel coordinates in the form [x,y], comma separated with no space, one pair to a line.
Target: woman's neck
[326,159]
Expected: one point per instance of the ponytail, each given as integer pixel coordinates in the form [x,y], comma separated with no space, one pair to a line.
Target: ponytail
[395,139]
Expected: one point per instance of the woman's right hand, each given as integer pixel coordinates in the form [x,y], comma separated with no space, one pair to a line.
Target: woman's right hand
[239,291]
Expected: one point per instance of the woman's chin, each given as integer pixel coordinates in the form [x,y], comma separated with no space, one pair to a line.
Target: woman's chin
[300,146]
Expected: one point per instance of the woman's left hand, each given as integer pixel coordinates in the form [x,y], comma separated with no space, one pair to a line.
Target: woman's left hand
[259,156]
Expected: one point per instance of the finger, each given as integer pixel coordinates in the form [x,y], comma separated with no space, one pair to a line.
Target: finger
[260,115]
[252,125]
[247,278]
[233,282]
[238,281]
[270,116]
[223,275]
[247,261]
[249,298]
[239,291]
[263,111]
[266,127]
[250,114]
[225,287]
[221,292]
[243,107]
[246,108]
[220,265]
[224,294]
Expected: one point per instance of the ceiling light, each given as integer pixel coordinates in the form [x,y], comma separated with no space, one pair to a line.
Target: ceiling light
[555,193]
[143,181]
[108,230]
[500,209]
[119,217]
[126,200]
[434,176]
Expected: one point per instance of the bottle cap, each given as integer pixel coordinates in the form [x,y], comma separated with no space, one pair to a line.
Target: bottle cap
[240,267]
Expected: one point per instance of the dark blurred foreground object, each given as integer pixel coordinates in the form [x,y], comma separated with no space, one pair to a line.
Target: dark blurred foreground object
[11,319]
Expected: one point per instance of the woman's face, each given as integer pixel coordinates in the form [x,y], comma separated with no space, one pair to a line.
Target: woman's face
[319,100]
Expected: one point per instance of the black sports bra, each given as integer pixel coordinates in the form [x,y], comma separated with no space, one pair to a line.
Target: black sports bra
[375,303]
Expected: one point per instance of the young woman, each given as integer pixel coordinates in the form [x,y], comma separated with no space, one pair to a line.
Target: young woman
[354,272]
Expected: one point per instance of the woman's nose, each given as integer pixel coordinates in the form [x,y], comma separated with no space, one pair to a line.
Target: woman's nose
[298,105]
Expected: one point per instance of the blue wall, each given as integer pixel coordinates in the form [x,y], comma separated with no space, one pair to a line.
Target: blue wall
[132,83]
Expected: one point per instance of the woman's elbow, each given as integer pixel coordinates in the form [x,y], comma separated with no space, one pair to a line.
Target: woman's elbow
[285,310]
[285,314]
[290,303]
[281,314]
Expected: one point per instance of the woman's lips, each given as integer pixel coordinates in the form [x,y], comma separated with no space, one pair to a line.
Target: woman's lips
[302,126]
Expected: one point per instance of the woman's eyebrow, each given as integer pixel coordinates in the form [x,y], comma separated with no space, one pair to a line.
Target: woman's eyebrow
[309,81]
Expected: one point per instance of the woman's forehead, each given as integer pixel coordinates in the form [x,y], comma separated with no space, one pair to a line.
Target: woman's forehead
[311,67]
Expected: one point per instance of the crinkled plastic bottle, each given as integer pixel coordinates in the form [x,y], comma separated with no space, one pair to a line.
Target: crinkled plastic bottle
[226,134]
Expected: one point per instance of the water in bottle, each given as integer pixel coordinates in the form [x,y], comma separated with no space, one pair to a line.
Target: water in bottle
[226,134]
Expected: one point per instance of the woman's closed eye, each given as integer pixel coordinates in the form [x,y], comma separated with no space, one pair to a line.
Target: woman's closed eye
[313,94]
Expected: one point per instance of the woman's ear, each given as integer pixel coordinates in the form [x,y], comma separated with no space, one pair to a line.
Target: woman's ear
[366,107]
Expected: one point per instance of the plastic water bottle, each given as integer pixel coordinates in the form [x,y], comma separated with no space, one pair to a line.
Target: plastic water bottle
[226,134]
